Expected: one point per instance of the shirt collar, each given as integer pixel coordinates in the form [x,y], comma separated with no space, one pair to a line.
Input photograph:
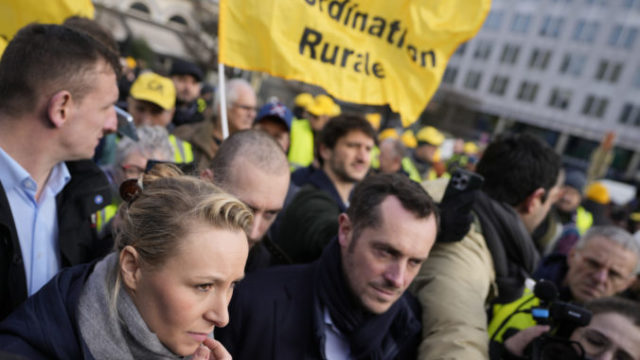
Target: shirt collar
[14,175]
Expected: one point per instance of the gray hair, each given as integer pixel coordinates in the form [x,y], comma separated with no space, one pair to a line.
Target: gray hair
[398,147]
[153,139]
[615,234]
[231,89]
[252,146]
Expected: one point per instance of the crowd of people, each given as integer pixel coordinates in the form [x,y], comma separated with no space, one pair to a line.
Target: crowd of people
[308,233]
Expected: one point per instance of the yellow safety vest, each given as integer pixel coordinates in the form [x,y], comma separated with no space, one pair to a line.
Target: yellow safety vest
[182,150]
[510,315]
[103,216]
[301,148]
[375,157]
[410,168]
[584,220]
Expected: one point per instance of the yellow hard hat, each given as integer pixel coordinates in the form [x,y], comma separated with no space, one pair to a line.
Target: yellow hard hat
[388,133]
[374,120]
[470,148]
[303,100]
[598,193]
[409,140]
[430,135]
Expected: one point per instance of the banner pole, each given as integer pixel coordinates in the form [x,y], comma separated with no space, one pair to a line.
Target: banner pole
[223,101]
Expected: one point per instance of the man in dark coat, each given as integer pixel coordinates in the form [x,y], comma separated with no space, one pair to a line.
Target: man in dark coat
[57,90]
[350,303]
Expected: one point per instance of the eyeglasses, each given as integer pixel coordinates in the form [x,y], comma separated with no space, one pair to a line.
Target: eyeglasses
[596,343]
[132,171]
[246,107]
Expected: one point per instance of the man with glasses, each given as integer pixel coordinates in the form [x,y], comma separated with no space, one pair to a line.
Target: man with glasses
[56,104]
[604,263]
[206,136]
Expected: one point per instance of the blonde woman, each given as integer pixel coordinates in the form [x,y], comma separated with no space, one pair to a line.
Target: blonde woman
[180,249]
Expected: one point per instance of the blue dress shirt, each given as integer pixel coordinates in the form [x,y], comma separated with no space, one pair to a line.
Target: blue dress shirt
[36,221]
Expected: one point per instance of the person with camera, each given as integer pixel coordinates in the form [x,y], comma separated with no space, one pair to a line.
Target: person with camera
[612,333]
[604,263]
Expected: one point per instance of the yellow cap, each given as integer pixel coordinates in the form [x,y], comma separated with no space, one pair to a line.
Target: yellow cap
[303,100]
[430,135]
[155,89]
[598,193]
[470,148]
[131,62]
[324,105]
[409,140]
[388,133]
[374,120]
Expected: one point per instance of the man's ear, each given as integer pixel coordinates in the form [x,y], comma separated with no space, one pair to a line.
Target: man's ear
[207,174]
[59,108]
[324,152]
[533,200]
[345,230]
[130,267]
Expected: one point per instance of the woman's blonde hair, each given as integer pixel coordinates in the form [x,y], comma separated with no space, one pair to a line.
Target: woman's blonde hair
[167,205]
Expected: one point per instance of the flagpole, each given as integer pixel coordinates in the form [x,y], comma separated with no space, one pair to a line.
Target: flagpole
[223,101]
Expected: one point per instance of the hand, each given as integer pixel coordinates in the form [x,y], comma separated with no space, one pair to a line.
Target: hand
[518,342]
[211,349]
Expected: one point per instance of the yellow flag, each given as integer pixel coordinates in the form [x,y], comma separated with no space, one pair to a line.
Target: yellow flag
[360,51]
[14,14]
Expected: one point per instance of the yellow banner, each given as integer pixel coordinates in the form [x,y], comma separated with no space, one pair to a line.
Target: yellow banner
[14,14]
[360,51]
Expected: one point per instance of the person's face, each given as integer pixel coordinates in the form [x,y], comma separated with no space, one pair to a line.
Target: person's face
[146,113]
[569,200]
[609,336]
[264,193]
[187,88]
[92,116]
[381,262]
[318,122]
[242,112]
[276,129]
[426,152]
[601,268]
[390,162]
[186,297]
[132,166]
[350,158]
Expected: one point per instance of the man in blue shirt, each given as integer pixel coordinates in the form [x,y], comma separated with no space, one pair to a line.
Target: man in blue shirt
[57,91]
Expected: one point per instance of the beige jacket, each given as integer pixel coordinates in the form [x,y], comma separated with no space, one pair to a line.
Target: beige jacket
[453,287]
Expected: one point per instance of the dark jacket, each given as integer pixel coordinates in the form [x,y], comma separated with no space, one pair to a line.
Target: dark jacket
[53,310]
[86,193]
[310,221]
[285,321]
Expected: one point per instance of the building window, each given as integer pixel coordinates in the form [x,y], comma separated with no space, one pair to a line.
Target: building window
[138,6]
[595,106]
[623,36]
[450,75]
[509,54]
[630,115]
[177,19]
[483,49]
[472,81]
[527,91]
[560,98]
[636,79]
[539,59]
[608,71]
[585,31]
[461,49]
[494,20]
[573,64]
[520,23]
[551,26]
[499,85]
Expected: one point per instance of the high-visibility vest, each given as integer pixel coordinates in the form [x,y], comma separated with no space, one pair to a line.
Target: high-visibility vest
[105,215]
[410,168]
[375,157]
[301,148]
[182,150]
[584,220]
[512,315]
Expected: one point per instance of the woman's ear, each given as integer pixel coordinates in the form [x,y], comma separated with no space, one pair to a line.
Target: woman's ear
[130,267]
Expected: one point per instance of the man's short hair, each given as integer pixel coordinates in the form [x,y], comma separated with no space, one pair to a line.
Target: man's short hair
[616,305]
[93,29]
[364,208]
[340,126]
[43,59]
[515,165]
[255,147]
[615,234]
